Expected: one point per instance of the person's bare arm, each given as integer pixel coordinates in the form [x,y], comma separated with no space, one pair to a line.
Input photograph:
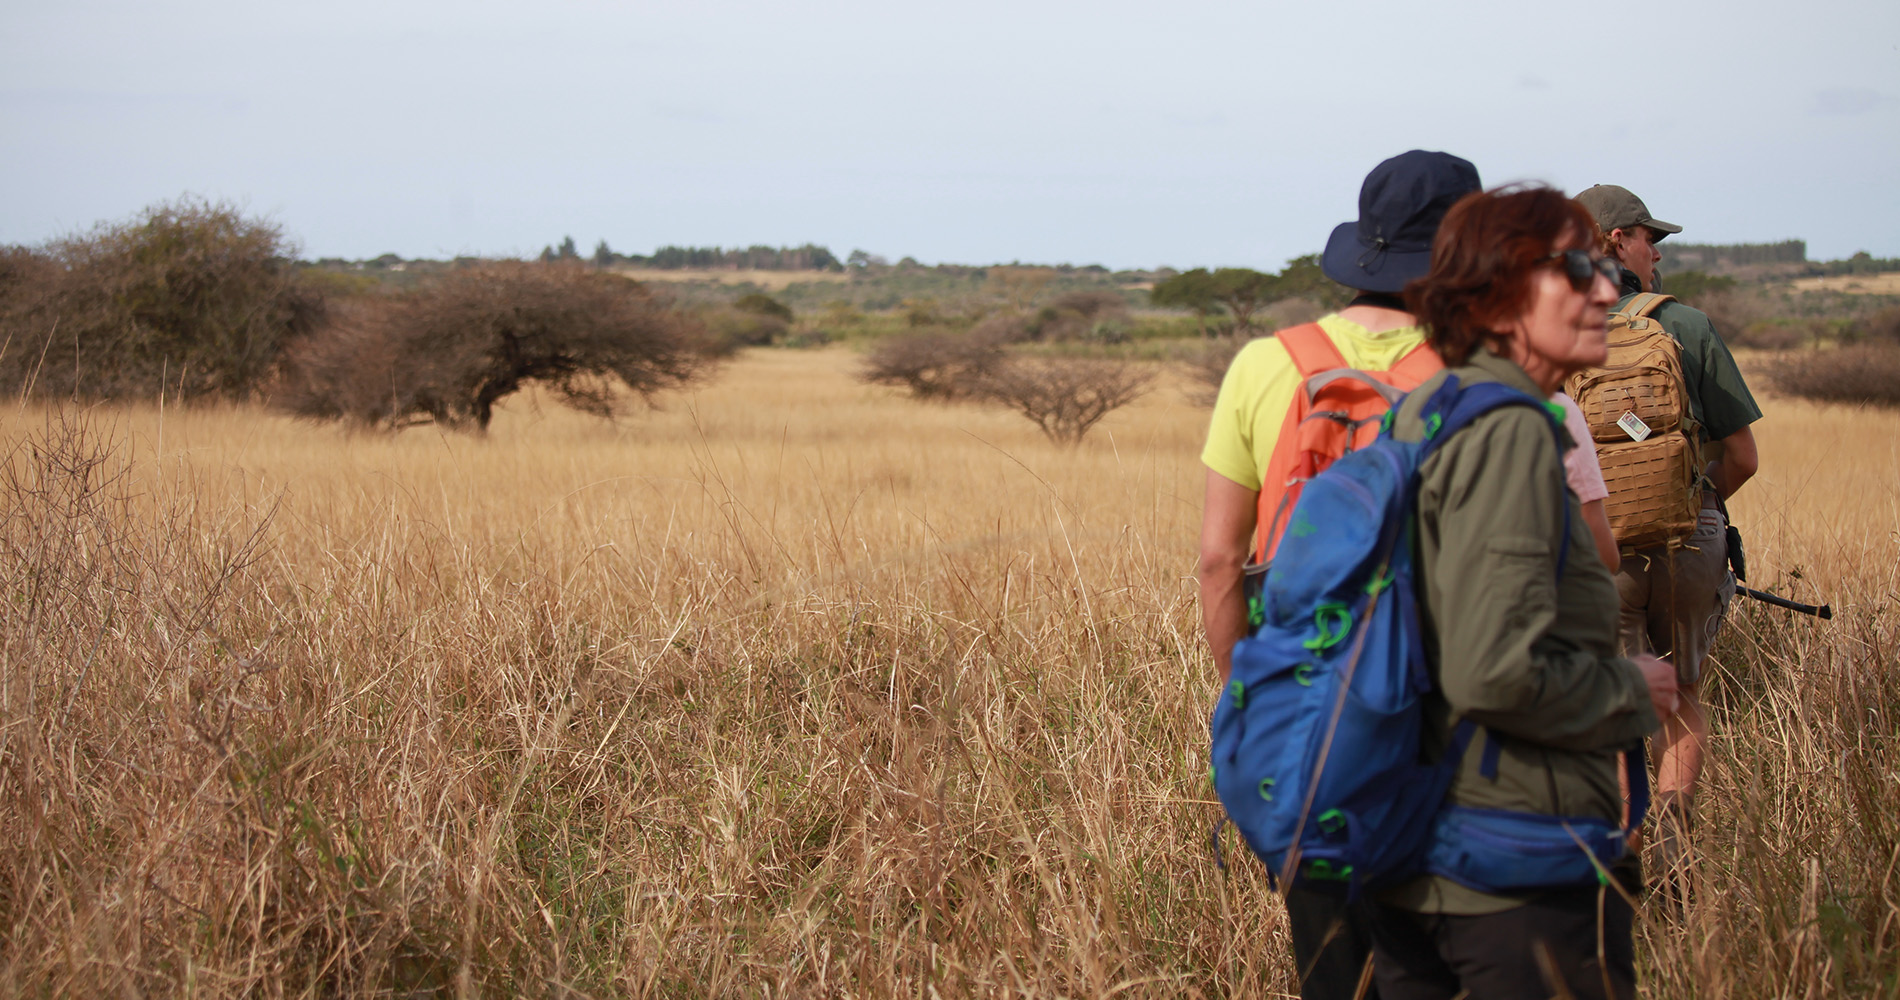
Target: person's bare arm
[1598,519]
[1227,521]
[1738,462]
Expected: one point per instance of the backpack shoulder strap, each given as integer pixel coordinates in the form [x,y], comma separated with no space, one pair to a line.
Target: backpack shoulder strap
[1643,304]
[1451,409]
[1419,364]
[1311,349]
[1454,406]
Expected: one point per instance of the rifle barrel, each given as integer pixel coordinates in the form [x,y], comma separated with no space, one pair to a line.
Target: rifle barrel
[1818,611]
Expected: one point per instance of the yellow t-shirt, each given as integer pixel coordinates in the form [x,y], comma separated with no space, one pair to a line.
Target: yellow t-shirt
[1259,388]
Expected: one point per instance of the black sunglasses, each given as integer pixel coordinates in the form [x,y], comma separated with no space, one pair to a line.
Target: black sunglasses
[1582,269]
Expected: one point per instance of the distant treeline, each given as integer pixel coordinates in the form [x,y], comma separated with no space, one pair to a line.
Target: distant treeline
[1861,263]
[1715,256]
[755,258]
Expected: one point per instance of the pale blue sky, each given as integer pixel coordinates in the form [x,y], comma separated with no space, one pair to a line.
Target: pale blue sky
[1187,133]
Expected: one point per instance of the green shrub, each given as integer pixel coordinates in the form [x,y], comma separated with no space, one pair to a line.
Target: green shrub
[763,305]
[1692,286]
[736,327]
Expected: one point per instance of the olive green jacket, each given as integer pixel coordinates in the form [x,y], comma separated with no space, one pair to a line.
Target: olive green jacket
[1528,656]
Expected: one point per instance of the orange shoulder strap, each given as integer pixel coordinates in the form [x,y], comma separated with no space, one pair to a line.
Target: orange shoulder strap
[1419,364]
[1311,349]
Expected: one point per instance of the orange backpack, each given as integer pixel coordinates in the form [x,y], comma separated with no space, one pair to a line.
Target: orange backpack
[1338,409]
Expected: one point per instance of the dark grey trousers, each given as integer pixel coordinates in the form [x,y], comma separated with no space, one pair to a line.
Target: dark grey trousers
[1520,952]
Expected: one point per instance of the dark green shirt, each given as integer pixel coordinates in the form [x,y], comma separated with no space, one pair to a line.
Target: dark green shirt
[1717,393]
[1528,655]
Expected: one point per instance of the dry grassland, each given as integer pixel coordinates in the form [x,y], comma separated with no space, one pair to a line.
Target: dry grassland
[771,281]
[794,688]
[1864,284]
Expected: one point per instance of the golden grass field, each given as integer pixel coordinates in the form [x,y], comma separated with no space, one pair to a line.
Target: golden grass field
[1865,284]
[771,281]
[793,688]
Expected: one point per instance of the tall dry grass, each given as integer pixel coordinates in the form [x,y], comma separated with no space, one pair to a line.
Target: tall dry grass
[793,689]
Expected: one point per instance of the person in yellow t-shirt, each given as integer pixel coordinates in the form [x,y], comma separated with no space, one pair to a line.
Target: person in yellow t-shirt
[1400,206]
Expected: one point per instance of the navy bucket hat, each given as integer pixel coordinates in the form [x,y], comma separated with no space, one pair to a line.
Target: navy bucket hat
[1400,206]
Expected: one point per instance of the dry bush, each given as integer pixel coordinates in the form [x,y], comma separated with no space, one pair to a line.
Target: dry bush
[1776,334]
[353,369]
[1882,326]
[764,305]
[1207,364]
[1858,373]
[754,320]
[1003,327]
[1084,315]
[934,364]
[1291,312]
[1066,396]
[1742,316]
[734,328]
[1016,286]
[921,312]
[192,299]
[450,350]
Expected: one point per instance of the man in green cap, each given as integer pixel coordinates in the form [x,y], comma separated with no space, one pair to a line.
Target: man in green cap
[1673,602]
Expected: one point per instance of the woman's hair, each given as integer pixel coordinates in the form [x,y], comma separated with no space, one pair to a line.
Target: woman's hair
[1482,258]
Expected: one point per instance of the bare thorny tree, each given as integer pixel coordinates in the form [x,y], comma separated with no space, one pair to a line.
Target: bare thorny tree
[1065,397]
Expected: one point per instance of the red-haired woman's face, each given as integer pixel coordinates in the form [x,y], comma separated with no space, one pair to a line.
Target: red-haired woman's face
[1560,329]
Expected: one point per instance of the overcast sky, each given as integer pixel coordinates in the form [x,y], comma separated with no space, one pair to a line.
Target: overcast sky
[1188,133]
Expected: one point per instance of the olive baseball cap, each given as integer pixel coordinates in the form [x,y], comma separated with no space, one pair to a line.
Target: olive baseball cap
[1616,208]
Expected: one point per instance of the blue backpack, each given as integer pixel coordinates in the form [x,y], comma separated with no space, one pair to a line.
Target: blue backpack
[1316,737]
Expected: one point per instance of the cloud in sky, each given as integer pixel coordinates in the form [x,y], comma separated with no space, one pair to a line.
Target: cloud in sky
[1121,133]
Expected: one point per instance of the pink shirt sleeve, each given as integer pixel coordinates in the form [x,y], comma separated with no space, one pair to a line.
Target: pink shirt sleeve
[1580,463]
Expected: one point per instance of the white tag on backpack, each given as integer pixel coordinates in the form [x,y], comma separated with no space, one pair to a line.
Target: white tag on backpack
[1633,425]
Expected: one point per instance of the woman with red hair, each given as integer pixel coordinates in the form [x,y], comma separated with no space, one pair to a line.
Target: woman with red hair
[1519,613]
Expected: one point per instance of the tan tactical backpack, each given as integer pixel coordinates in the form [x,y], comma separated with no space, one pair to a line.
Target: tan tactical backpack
[1647,439]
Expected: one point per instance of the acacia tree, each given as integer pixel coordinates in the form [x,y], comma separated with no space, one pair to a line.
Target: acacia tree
[1302,278]
[451,350]
[1243,291]
[1065,396]
[1191,290]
